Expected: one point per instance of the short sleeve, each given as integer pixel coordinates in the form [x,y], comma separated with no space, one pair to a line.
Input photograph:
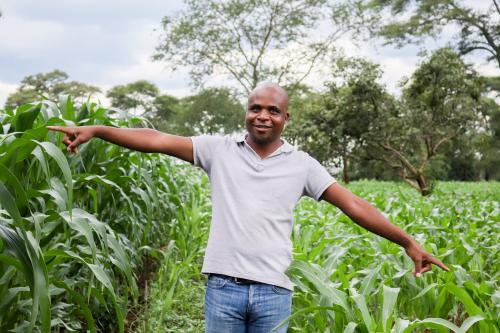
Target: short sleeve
[318,179]
[205,149]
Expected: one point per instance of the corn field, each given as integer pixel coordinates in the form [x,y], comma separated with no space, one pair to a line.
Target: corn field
[352,281]
[349,280]
[74,230]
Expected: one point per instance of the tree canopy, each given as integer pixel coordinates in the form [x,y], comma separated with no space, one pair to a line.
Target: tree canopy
[248,41]
[211,111]
[49,85]
[401,22]
[135,97]
[357,120]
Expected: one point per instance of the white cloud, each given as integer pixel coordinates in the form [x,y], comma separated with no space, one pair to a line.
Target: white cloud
[5,90]
[106,43]
[23,36]
[100,43]
[156,72]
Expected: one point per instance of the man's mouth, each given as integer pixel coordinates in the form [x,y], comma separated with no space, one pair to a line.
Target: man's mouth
[262,126]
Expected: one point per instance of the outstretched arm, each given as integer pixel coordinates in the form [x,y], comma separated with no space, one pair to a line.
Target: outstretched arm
[367,216]
[141,139]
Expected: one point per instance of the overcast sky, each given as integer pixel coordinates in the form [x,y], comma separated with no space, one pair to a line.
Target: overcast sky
[110,42]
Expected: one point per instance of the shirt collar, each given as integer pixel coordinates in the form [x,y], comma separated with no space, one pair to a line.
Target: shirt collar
[285,147]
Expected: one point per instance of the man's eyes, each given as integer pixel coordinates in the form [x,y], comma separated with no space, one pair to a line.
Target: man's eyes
[272,110]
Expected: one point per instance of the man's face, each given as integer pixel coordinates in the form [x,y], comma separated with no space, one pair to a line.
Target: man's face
[266,115]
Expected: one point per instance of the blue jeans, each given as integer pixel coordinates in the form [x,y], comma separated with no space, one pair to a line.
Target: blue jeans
[245,308]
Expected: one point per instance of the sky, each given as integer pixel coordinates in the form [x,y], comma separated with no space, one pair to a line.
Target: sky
[108,43]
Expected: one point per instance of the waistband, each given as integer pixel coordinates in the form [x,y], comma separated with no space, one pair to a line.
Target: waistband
[236,280]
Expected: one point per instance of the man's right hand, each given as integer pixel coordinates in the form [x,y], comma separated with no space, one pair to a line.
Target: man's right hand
[74,136]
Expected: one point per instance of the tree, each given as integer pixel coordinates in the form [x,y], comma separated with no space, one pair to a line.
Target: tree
[248,41]
[332,127]
[48,85]
[137,97]
[492,84]
[311,126]
[479,29]
[440,102]
[301,104]
[489,143]
[360,121]
[165,107]
[211,111]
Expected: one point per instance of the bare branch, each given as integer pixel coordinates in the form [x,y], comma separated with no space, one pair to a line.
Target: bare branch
[434,149]
[497,6]
[400,157]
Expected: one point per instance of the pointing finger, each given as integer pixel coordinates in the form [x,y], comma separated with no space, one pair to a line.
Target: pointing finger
[438,263]
[63,129]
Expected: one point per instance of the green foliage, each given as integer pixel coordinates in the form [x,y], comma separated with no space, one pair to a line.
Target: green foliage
[49,86]
[165,108]
[241,39]
[479,29]
[310,126]
[73,230]
[349,280]
[441,102]
[492,84]
[137,97]
[347,277]
[488,145]
[175,302]
[358,121]
[334,128]
[211,111]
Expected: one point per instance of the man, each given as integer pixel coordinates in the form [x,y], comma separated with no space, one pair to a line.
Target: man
[256,181]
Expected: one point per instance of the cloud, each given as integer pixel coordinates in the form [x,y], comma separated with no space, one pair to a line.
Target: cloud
[5,90]
[156,72]
[106,43]
[96,42]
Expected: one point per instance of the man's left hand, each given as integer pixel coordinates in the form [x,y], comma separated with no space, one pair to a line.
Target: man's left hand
[423,260]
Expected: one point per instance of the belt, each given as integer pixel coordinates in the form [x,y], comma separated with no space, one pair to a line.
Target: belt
[236,280]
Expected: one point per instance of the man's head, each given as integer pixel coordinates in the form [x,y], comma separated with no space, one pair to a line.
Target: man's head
[267,113]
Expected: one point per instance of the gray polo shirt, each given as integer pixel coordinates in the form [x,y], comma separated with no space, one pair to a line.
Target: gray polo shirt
[252,205]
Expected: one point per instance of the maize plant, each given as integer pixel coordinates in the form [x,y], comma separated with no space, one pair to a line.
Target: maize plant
[349,280]
[74,229]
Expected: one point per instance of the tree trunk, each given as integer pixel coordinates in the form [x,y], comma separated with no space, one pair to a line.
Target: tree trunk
[345,174]
[419,182]
[422,184]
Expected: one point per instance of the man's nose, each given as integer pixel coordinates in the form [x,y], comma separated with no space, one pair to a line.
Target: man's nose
[263,114]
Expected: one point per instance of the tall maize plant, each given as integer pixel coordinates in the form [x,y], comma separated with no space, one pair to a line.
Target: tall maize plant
[73,229]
